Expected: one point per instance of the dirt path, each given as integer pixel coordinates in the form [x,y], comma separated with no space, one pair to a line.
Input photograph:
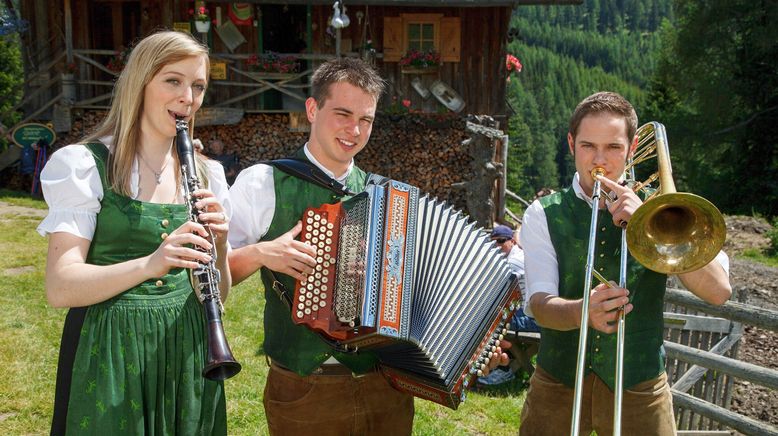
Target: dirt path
[759,283]
[10,209]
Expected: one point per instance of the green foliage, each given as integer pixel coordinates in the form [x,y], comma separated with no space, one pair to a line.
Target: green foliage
[11,77]
[761,257]
[772,250]
[716,90]
[568,53]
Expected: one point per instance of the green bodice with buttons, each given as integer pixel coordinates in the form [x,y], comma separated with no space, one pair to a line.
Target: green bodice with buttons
[295,346]
[568,220]
[138,363]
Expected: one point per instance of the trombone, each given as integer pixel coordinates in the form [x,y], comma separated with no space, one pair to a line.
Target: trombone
[671,233]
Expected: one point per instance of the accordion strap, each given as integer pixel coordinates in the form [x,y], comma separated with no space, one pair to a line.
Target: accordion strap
[309,172]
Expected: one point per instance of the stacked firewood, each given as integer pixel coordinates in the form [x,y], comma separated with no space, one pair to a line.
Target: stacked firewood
[424,150]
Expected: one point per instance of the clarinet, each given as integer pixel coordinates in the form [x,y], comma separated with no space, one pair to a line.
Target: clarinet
[220,364]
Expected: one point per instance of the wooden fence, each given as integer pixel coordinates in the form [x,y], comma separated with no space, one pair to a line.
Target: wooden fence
[701,361]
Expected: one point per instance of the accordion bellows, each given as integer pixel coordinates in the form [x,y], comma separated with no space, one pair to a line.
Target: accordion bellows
[411,279]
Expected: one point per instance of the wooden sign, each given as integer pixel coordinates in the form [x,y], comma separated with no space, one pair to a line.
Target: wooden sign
[182,26]
[28,134]
[210,116]
[218,70]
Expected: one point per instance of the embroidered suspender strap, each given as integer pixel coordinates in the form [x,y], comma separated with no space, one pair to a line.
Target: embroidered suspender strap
[309,172]
[283,293]
[286,297]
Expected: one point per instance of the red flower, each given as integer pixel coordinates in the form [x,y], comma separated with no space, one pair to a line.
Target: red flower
[512,63]
[406,103]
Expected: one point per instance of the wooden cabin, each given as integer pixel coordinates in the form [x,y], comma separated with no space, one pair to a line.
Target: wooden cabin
[262,55]
[73,49]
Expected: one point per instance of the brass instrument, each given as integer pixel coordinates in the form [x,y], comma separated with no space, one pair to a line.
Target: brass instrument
[671,233]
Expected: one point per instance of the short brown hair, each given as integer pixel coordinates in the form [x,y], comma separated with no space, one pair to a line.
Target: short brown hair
[605,102]
[351,70]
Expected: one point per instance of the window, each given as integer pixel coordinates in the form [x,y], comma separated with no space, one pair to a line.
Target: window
[421,32]
[421,37]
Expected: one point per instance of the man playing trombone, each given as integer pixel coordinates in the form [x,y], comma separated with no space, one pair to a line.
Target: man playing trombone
[602,135]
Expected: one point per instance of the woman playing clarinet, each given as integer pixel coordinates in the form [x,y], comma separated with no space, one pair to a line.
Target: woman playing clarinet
[121,247]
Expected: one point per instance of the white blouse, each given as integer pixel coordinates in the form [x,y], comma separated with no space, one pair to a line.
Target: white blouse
[255,200]
[71,186]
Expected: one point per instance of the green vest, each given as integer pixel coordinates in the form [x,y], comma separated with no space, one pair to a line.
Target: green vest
[568,220]
[291,345]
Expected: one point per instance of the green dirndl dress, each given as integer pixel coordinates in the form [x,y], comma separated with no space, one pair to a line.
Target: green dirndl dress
[137,367]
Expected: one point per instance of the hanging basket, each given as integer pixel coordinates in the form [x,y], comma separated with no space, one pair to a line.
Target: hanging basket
[202,26]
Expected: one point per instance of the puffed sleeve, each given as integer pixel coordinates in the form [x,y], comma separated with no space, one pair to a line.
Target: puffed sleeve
[217,183]
[72,189]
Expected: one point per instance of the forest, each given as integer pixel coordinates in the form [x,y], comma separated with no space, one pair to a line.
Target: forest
[707,70]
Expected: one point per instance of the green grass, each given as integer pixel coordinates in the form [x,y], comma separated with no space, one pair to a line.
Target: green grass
[761,257]
[30,334]
[17,198]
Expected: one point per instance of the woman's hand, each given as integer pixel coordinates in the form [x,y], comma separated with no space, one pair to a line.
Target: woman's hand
[174,253]
[214,215]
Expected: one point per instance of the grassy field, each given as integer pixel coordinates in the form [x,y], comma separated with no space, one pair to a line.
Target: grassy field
[30,333]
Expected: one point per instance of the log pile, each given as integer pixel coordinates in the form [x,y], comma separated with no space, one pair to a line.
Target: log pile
[425,150]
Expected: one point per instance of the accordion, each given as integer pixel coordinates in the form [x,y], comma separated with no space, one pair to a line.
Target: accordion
[410,279]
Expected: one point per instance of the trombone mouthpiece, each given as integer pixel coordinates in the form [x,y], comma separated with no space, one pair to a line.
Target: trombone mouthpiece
[598,172]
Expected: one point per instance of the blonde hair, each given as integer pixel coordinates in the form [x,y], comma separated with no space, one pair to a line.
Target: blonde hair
[123,120]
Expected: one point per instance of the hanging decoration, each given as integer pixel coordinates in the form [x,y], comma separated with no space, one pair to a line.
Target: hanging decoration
[240,14]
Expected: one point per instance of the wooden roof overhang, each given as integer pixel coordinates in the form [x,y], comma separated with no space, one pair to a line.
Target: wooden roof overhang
[429,3]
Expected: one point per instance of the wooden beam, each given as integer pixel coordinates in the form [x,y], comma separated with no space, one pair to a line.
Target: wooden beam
[697,322]
[514,196]
[693,374]
[719,414]
[747,314]
[742,370]
[38,112]
[95,64]
[68,32]
[433,3]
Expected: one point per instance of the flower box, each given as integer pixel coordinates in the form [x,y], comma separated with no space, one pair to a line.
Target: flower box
[419,70]
[266,75]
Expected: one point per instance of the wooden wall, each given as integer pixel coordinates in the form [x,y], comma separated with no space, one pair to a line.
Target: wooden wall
[479,76]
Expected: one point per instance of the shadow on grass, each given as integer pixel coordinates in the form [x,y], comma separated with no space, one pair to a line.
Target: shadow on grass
[511,388]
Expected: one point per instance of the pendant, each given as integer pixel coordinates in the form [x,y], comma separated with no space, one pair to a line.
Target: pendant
[158,176]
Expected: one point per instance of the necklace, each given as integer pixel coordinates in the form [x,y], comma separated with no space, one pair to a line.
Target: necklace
[157,174]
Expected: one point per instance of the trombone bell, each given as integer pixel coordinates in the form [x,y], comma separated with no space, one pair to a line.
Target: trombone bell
[675,233]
